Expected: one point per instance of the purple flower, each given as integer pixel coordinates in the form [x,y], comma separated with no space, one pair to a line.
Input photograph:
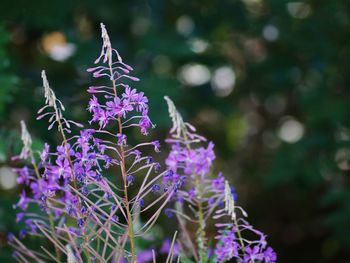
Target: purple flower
[141,102]
[114,106]
[192,192]
[227,246]
[193,161]
[20,216]
[136,153]
[145,256]
[93,104]
[144,124]
[130,94]
[62,150]
[155,188]
[101,116]
[10,237]
[219,182]
[121,139]
[156,145]
[91,172]
[175,157]
[130,179]
[23,201]
[167,245]
[108,161]
[156,167]
[86,134]
[204,158]
[40,187]
[226,251]
[83,209]
[253,254]
[270,255]
[234,193]
[80,222]
[31,225]
[170,177]
[24,175]
[22,233]
[149,159]
[62,169]
[71,211]
[169,213]
[126,107]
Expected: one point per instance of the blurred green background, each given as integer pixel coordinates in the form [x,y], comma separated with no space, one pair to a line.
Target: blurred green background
[266,80]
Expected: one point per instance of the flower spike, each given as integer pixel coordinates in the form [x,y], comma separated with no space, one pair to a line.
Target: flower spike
[27,142]
[51,101]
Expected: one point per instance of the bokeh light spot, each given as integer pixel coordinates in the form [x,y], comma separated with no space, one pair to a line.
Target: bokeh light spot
[342,158]
[299,10]
[57,47]
[198,45]
[291,130]
[270,33]
[194,74]
[184,25]
[223,81]
[7,178]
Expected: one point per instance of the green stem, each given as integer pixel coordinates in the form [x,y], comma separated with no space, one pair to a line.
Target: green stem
[239,234]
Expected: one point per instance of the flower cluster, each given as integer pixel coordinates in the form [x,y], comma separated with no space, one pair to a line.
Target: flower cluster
[229,246]
[117,107]
[209,198]
[86,213]
[93,187]
[192,161]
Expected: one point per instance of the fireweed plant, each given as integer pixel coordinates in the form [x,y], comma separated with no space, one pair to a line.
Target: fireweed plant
[86,216]
[203,199]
